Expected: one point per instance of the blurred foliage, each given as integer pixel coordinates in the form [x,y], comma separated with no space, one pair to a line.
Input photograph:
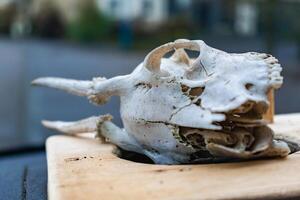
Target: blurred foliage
[280,21]
[7,17]
[90,26]
[289,21]
[48,22]
[176,27]
[277,20]
[268,22]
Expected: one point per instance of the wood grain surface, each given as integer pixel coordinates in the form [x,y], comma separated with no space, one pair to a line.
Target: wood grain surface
[86,168]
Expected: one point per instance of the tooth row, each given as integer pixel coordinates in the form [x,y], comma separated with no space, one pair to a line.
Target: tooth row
[271,60]
[274,75]
[263,55]
[275,68]
[276,82]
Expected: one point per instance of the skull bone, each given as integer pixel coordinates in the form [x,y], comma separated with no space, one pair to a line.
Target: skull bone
[183,110]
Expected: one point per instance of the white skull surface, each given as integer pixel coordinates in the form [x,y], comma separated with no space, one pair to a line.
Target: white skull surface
[183,110]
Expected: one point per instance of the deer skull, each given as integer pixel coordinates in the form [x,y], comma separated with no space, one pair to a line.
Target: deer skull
[183,110]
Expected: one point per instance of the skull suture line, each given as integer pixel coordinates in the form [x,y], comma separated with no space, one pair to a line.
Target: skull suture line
[182,110]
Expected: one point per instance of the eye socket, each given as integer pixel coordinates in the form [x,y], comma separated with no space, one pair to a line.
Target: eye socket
[249,86]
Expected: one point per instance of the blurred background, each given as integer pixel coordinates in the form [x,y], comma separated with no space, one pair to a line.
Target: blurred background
[82,39]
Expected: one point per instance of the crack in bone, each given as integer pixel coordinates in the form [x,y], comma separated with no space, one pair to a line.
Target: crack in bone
[178,110]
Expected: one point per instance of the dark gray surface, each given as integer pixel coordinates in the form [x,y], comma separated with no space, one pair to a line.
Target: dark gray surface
[23,176]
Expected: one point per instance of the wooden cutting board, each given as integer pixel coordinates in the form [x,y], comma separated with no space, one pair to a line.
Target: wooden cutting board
[85,168]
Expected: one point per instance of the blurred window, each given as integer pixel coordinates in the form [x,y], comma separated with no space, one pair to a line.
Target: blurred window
[147,8]
[114,7]
[245,20]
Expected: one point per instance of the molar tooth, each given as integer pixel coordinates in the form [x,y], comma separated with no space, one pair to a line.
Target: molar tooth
[275,74]
[276,78]
[263,55]
[276,83]
[271,60]
[275,68]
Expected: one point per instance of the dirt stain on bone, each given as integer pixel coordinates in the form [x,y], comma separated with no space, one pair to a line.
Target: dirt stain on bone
[192,92]
[144,85]
[197,91]
[184,88]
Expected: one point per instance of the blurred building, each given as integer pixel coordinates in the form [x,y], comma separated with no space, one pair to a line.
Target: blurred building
[211,15]
[69,9]
[225,17]
[153,11]
[4,3]
[246,14]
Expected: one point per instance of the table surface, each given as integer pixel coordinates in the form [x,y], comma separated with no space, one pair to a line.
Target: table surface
[24,175]
[85,168]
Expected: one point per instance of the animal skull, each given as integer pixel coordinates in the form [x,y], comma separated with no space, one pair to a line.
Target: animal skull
[183,110]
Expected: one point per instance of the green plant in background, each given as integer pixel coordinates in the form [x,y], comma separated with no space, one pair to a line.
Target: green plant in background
[90,25]
[48,22]
[290,29]
[268,17]
[280,21]
[174,28]
[7,15]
